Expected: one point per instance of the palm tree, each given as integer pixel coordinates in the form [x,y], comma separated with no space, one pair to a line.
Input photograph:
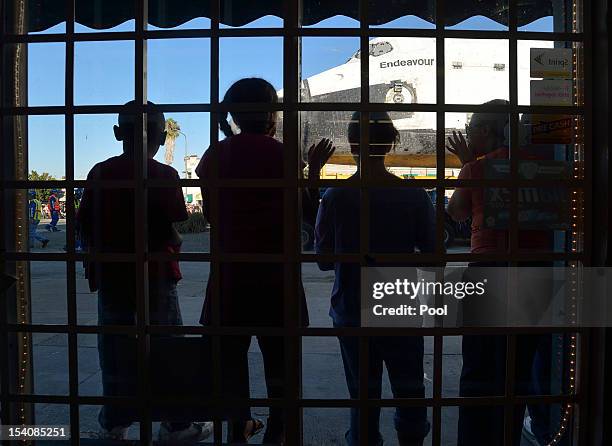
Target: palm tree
[173,130]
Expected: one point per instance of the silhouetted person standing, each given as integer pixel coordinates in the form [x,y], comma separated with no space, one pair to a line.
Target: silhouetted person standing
[484,356]
[401,220]
[250,221]
[106,220]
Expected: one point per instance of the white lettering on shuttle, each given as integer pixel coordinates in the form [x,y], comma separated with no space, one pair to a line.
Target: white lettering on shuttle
[406,63]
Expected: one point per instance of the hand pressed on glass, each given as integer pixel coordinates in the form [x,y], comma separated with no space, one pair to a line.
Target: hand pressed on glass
[460,148]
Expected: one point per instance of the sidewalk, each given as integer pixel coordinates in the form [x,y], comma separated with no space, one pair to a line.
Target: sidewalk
[322,377]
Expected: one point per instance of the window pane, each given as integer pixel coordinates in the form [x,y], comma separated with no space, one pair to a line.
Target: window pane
[471,229]
[37,74]
[325,425]
[241,57]
[170,78]
[188,136]
[331,71]
[48,352]
[403,70]
[39,218]
[103,72]
[470,128]
[413,156]
[52,414]
[87,300]
[94,141]
[90,380]
[476,70]
[48,292]
[46,73]
[191,288]
[46,147]
[333,125]
[90,426]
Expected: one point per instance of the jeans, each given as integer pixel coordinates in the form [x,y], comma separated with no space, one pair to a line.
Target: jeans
[54,219]
[33,234]
[116,307]
[403,358]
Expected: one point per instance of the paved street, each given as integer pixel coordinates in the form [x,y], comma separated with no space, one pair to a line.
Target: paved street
[322,367]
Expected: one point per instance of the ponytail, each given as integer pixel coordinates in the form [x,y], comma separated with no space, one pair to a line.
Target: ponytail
[225,126]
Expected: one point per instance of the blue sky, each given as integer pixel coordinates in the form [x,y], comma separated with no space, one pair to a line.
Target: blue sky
[178,71]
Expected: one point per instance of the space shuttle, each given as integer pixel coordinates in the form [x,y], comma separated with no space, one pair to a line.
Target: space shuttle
[402,70]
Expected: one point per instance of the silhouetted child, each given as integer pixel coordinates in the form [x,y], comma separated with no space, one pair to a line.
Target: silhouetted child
[401,220]
[106,220]
[250,221]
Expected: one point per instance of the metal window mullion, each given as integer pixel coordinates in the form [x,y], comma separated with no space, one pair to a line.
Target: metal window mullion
[582,384]
[272,183]
[364,214]
[279,331]
[140,210]
[272,32]
[73,369]
[303,257]
[302,106]
[440,213]
[291,223]
[582,360]
[194,400]
[511,339]
[514,134]
[510,398]
[213,198]
[585,63]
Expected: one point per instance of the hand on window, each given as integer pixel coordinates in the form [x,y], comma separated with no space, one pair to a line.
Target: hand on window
[318,155]
[459,147]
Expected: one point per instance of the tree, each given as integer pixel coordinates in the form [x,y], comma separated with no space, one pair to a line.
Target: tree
[173,130]
[41,194]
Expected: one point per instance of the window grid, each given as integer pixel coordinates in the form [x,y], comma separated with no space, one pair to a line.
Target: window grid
[292,258]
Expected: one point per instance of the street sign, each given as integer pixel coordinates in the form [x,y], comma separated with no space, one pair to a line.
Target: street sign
[557,92]
[551,63]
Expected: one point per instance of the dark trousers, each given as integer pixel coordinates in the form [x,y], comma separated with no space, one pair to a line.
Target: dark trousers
[484,356]
[114,308]
[483,374]
[403,357]
[235,379]
[545,417]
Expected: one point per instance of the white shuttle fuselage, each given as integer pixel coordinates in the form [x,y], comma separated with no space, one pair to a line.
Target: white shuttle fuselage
[403,70]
